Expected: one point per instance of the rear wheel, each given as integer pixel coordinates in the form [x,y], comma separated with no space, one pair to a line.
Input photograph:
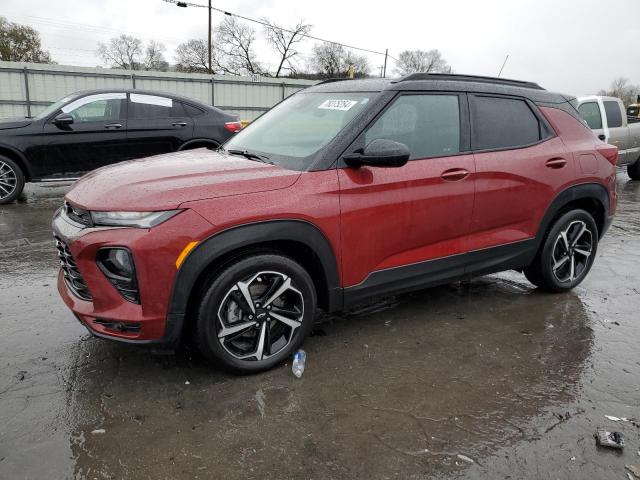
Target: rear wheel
[11,180]
[633,170]
[255,313]
[567,253]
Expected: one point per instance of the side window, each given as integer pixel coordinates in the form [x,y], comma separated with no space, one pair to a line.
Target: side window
[428,124]
[502,123]
[104,107]
[590,111]
[151,106]
[614,116]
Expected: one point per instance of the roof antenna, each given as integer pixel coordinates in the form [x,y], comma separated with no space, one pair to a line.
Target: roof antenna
[502,68]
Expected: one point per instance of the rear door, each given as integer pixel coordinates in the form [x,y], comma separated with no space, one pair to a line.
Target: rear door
[397,217]
[156,125]
[520,165]
[97,136]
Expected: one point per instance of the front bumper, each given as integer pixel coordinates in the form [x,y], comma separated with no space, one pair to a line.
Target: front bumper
[107,314]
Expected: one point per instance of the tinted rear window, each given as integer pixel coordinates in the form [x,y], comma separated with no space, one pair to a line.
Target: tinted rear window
[614,116]
[503,123]
[151,106]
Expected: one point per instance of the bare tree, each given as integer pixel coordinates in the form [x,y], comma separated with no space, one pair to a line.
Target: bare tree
[429,61]
[124,51]
[621,88]
[332,60]
[154,57]
[235,43]
[284,42]
[19,43]
[193,56]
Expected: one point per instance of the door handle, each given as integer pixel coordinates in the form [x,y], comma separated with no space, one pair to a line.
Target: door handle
[113,125]
[179,124]
[555,163]
[454,174]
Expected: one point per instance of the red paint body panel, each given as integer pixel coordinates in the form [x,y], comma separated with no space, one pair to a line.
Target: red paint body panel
[154,253]
[399,216]
[164,182]
[514,189]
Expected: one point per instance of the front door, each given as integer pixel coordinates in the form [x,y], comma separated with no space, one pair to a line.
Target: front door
[97,136]
[394,220]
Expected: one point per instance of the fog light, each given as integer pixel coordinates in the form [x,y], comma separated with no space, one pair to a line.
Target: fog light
[117,265]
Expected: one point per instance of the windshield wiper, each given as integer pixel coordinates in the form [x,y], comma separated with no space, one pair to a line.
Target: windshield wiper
[250,155]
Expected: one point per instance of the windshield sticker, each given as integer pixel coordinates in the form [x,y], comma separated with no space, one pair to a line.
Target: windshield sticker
[342,105]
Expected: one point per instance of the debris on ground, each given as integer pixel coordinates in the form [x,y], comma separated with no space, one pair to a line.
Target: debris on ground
[20,375]
[299,360]
[635,469]
[465,458]
[187,382]
[605,438]
[98,431]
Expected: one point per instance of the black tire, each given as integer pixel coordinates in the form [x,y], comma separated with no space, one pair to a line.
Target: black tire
[11,180]
[633,170]
[554,252]
[265,275]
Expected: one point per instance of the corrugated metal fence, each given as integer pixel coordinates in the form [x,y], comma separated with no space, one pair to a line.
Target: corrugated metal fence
[27,88]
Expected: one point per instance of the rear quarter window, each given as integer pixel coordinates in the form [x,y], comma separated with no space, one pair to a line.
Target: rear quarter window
[614,115]
[499,122]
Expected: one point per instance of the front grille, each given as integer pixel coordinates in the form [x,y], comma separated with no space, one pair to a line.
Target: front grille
[70,272]
[78,215]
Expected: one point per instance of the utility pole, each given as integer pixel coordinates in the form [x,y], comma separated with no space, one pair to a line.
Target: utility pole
[384,70]
[210,70]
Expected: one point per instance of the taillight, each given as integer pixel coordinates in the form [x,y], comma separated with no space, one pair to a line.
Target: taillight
[610,152]
[233,127]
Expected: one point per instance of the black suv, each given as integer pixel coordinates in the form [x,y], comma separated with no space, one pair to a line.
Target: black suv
[90,129]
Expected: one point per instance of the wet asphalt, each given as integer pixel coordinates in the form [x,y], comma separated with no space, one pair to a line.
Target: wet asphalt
[490,379]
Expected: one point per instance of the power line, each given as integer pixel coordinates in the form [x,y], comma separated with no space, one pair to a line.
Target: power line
[266,24]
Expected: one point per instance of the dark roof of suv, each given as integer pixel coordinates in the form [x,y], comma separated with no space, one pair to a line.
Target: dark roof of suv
[444,82]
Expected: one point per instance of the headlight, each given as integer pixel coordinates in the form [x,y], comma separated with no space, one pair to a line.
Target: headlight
[131,219]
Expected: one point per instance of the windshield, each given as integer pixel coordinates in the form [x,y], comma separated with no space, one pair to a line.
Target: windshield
[54,107]
[293,132]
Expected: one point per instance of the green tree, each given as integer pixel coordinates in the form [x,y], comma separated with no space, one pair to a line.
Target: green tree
[19,43]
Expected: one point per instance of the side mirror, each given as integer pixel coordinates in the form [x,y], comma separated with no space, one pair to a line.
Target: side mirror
[63,119]
[380,153]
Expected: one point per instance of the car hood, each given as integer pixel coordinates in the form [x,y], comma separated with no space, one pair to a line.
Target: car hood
[164,182]
[9,123]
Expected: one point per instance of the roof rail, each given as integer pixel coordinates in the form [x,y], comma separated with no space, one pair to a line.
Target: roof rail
[331,80]
[469,78]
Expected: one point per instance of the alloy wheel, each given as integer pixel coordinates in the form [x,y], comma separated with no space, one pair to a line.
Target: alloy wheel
[259,315]
[571,252]
[8,180]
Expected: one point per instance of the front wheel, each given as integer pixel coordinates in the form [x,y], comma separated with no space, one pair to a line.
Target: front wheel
[255,313]
[567,253]
[11,180]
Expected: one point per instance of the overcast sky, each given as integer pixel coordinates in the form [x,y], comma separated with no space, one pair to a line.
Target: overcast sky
[572,46]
